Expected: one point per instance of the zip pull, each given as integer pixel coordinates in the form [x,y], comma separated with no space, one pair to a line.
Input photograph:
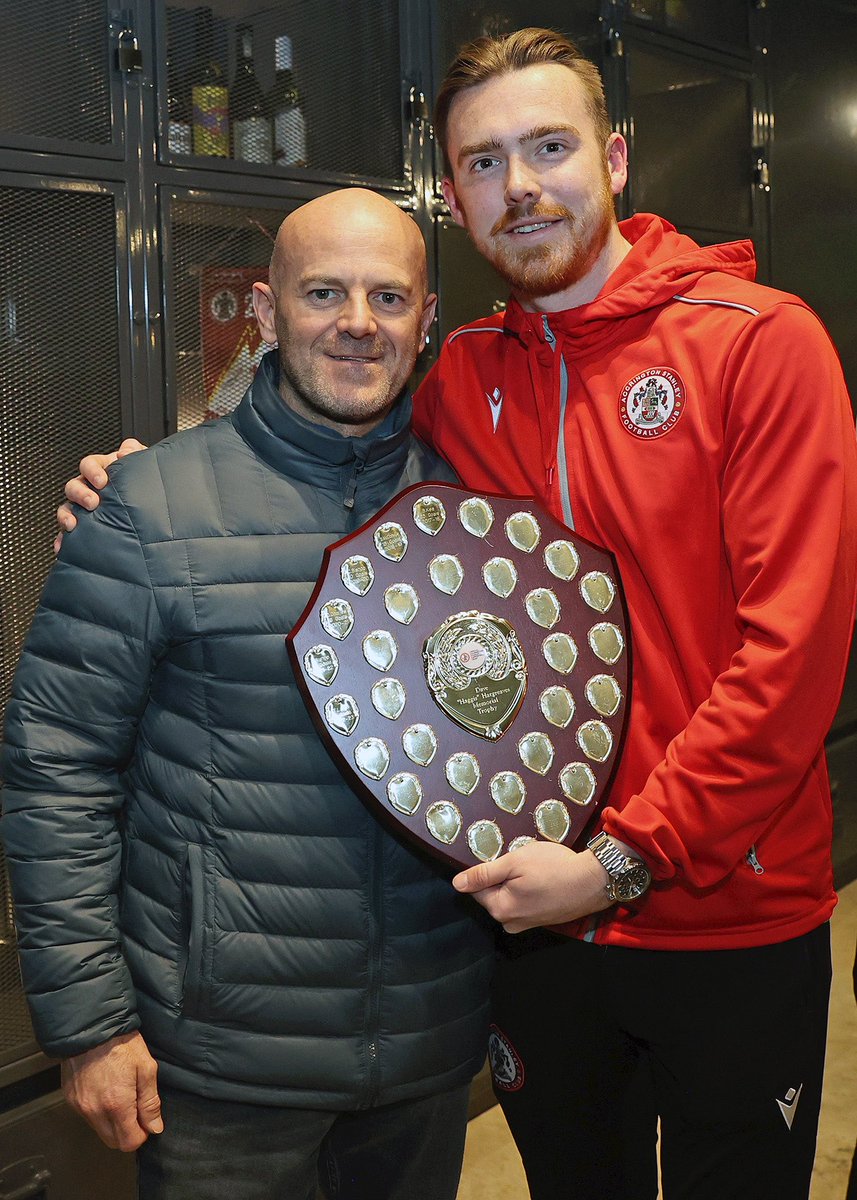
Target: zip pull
[549,474]
[550,337]
[353,480]
[753,861]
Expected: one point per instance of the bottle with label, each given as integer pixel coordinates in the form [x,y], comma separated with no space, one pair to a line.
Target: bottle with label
[252,138]
[285,107]
[209,94]
[179,134]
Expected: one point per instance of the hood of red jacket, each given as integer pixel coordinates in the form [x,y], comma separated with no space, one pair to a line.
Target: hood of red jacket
[661,264]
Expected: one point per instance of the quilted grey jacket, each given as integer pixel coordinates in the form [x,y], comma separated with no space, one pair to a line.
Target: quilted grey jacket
[184,856]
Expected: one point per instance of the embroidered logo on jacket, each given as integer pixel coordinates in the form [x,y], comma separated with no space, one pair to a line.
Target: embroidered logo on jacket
[652,402]
[495,399]
[507,1070]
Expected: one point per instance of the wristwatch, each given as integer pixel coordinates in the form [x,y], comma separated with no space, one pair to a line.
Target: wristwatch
[629,876]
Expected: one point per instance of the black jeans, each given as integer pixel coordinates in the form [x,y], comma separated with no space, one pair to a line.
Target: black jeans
[212,1149]
[593,1043]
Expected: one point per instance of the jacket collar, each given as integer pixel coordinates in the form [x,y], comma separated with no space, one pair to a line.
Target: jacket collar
[661,264]
[313,453]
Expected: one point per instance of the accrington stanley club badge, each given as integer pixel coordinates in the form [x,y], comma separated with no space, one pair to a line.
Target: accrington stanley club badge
[652,402]
[466,660]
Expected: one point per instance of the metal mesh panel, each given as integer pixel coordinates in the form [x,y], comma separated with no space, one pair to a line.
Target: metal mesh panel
[15,1030]
[218,251]
[59,397]
[54,62]
[345,62]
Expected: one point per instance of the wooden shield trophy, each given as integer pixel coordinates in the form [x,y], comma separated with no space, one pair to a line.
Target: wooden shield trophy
[466,660]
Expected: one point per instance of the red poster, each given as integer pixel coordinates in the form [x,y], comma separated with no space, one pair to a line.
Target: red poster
[231,344]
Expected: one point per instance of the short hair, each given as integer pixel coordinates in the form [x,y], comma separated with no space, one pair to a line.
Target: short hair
[487,57]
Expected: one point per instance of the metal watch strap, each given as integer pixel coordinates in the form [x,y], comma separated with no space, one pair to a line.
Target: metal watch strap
[613,858]
[621,867]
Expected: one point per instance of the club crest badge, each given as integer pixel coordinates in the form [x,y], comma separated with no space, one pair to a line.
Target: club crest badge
[507,1070]
[652,403]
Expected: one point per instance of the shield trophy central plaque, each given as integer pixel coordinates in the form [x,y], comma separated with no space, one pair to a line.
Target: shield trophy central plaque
[466,660]
[476,672]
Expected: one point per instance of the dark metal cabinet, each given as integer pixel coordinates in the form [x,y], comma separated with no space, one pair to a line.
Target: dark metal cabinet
[49,1153]
[814,163]
[691,89]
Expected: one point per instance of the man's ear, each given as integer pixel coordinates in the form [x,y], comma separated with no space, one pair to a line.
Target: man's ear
[448,189]
[617,162]
[265,307]
[427,315]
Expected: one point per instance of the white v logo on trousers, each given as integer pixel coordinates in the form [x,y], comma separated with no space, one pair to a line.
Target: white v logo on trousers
[788,1107]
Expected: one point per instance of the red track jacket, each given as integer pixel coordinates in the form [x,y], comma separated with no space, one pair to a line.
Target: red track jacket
[697,424]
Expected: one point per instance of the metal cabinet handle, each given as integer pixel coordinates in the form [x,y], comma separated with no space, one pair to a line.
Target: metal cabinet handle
[26,1179]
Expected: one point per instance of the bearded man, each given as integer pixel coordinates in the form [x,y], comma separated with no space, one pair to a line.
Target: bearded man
[656,399]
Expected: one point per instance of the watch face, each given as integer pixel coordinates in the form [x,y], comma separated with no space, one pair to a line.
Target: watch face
[632,884]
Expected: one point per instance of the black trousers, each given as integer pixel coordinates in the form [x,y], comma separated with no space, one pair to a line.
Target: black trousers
[219,1150]
[592,1044]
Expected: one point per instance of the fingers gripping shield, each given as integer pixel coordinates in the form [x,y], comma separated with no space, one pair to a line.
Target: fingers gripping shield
[466,660]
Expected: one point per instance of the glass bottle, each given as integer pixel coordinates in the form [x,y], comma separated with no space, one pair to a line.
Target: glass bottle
[285,106]
[252,139]
[209,94]
[179,129]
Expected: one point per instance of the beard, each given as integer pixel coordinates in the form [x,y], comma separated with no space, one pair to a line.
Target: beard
[534,271]
[307,385]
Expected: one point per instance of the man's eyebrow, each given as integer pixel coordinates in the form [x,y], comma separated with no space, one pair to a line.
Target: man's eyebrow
[328,281]
[479,148]
[531,135]
[333,281]
[310,277]
[540,131]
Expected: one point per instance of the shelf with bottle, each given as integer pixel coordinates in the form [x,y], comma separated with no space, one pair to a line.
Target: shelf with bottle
[243,121]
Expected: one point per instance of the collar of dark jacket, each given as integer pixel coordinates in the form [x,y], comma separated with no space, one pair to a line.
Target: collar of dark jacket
[313,453]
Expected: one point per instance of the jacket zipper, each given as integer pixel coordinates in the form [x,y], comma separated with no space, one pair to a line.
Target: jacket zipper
[753,860]
[561,458]
[350,490]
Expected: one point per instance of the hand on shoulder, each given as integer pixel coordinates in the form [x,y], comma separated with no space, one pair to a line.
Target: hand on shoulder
[83,489]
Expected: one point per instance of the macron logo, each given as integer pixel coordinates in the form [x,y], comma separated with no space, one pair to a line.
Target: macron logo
[788,1107]
[495,399]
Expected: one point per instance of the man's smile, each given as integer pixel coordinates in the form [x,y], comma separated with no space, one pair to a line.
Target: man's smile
[532,228]
[361,359]
[527,224]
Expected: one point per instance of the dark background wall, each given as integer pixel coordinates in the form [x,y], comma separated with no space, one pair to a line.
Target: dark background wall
[813,63]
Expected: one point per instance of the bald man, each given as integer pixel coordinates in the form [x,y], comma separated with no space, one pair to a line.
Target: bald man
[220,942]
